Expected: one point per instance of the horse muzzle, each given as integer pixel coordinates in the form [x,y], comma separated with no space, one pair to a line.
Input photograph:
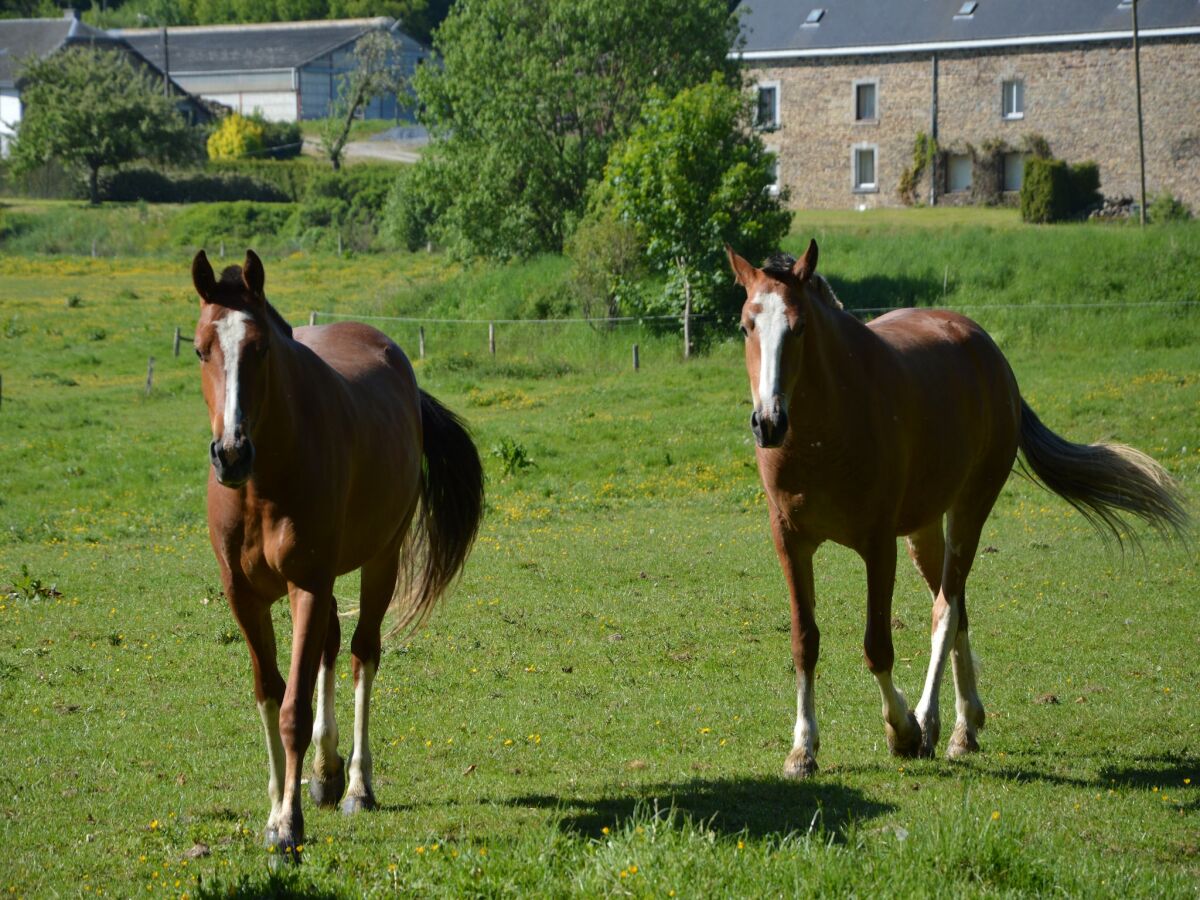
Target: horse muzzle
[233,463]
[769,431]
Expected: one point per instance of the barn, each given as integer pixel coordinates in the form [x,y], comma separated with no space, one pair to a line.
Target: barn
[287,71]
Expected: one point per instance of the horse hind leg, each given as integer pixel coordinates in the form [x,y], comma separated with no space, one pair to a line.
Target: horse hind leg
[964,524]
[927,547]
[378,584]
[328,781]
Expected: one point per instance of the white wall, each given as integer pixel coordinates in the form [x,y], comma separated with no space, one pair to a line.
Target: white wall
[10,115]
[276,106]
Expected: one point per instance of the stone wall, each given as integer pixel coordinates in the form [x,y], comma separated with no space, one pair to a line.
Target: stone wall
[1079,97]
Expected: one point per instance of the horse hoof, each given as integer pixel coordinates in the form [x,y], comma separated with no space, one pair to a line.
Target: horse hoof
[961,743]
[327,792]
[355,804]
[929,738]
[282,852]
[906,743]
[800,765]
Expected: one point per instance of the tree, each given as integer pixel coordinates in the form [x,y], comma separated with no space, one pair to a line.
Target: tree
[690,178]
[235,137]
[376,73]
[92,108]
[532,94]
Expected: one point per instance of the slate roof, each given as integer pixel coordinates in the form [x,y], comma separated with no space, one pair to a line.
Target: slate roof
[203,49]
[22,38]
[776,28]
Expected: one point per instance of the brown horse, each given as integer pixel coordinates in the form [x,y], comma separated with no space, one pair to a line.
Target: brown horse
[869,432]
[323,451]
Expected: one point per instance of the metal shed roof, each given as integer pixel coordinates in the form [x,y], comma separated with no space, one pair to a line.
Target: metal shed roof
[203,49]
[21,39]
[780,28]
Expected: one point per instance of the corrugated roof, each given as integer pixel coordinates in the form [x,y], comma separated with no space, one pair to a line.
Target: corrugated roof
[21,39]
[248,48]
[777,27]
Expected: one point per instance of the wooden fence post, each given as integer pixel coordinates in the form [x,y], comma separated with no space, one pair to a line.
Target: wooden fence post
[492,338]
[421,342]
[149,376]
[636,363]
[312,318]
[222,250]
[176,345]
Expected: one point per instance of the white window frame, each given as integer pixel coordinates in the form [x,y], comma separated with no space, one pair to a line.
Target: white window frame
[856,183]
[773,188]
[863,82]
[1016,114]
[758,89]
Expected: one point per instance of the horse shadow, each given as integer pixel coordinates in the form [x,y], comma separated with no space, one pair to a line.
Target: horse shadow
[757,807]
[874,294]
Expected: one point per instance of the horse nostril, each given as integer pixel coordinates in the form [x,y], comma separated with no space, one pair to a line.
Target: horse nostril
[755,422]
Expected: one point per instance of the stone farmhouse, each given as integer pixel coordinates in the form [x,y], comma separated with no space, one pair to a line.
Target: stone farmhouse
[21,39]
[846,86]
[286,70]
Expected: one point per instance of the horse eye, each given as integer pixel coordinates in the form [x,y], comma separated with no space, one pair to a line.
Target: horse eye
[199,355]
[742,329]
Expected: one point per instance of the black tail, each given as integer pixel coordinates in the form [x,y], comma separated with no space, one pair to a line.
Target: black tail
[451,507]
[1103,481]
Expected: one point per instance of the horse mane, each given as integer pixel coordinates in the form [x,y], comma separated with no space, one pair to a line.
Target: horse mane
[232,277]
[780,265]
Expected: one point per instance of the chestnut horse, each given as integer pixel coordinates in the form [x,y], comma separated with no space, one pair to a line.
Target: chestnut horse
[869,432]
[323,451]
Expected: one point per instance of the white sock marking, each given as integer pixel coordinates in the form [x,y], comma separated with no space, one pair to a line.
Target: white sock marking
[268,710]
[360,762]
[325,733]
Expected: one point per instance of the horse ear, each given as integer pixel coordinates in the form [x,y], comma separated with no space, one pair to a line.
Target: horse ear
[202,277]
[253,275]
[743,271]
[807,264]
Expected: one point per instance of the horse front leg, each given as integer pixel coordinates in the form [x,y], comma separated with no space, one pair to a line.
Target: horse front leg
[328,781]
[310,622]
[795,557]
[903,733]
[253,615]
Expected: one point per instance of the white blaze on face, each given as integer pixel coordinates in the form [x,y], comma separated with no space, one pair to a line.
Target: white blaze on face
[231,331]
[771,326]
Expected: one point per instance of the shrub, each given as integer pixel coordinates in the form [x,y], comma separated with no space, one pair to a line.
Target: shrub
[154,186]
[608,265]
[205,225]
[1054,192]
[348,202]
[1165,207]
[413,206]
[290,177]
[235,137]
[281,140]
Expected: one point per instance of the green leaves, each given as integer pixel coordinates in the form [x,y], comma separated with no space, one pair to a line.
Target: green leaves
[532,94]
[690,178]
[92,108]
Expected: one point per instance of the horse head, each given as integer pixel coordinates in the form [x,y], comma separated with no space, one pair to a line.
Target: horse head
[232,341]
[773,320]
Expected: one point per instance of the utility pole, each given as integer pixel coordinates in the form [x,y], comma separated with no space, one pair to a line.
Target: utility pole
[166,65]
[1137,80]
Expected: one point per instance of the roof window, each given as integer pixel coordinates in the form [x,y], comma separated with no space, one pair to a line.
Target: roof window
[814,18]
[967,10]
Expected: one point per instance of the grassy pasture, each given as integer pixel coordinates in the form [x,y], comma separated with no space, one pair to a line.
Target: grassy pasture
[604,704]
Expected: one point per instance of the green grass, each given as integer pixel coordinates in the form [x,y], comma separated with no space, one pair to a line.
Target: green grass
[615,663]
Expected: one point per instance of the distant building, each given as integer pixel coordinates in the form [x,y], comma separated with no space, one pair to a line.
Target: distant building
[22,39]
[286,71]
[845,86]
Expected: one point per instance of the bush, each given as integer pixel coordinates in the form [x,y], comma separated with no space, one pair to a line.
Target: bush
[281,140]
[348,202]
[1167,208]
[1055,192]
[608,266]
[207,224]
[413,207]
[154,186]
[237,136]
[290,177]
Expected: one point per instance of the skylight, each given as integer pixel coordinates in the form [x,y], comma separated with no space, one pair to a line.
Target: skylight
[814,18]
[966,10]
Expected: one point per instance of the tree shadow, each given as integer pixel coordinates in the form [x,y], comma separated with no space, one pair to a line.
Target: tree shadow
[877,293]
[755,806]
[281,885]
